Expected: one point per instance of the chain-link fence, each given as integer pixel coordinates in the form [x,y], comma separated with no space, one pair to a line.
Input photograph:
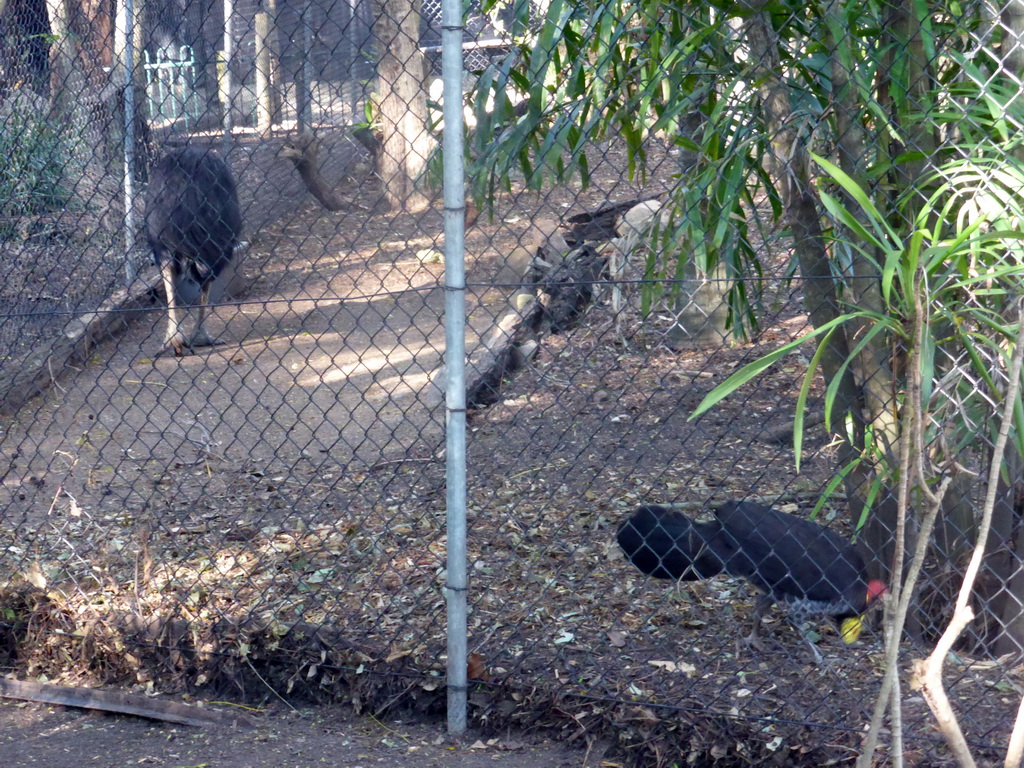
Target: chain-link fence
[677,212]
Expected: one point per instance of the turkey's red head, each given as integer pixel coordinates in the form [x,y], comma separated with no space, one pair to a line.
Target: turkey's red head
[876,589]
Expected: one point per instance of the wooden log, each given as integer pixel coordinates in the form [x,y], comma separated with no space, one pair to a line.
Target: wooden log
[497,355]
[570,288]
[564,293]
[80,335]
[77,339]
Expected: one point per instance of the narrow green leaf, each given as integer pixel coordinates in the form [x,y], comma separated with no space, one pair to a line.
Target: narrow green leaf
[848,220]
[830,487]
[751,370]
[880,324]
[801,400]
[859,196]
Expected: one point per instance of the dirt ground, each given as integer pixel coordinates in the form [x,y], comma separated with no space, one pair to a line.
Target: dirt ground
[34,736]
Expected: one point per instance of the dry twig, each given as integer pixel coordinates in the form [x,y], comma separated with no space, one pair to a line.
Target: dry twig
[911,460]
[927,673]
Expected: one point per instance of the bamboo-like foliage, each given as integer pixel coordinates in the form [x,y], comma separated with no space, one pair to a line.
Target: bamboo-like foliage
[914,111]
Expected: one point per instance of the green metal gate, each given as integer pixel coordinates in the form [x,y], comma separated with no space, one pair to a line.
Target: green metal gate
[170,88]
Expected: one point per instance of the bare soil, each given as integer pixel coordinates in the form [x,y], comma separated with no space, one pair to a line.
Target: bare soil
[33,736]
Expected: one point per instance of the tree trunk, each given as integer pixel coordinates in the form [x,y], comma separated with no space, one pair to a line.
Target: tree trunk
[267,96]
[94,28]
[24,50]
[699,308]
[788,166]
[865,389]
[874,373]
[1001,593]
[1004,610]
[1001,580]
[62,54]
[402,109]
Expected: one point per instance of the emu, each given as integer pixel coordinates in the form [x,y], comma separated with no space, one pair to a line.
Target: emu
[193,224]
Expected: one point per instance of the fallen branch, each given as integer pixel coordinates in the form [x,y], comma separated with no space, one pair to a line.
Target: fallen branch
[73,345]
[498,355]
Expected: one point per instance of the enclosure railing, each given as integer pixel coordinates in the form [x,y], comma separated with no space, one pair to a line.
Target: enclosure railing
[171,95]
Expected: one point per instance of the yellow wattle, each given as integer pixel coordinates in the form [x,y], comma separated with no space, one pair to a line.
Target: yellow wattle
[850,629]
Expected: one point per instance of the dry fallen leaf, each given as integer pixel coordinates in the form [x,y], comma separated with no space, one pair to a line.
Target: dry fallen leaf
[674,666]
[617,638]
[477,668]
[34,576]
[397,653]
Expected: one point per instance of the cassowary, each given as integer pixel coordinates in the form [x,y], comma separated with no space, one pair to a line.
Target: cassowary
[193,223]
[798,564]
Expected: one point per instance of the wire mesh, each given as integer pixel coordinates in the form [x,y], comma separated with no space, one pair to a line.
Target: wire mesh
[267,512]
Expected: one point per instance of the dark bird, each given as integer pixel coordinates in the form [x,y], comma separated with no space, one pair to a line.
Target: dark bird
[193,223]
[798,564]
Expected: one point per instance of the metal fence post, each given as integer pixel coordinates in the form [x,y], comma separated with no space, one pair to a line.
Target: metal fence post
[126,31]
[304,73]
[455,359]
[226,85]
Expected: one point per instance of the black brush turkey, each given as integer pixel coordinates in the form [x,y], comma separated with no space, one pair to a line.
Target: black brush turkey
[798,564]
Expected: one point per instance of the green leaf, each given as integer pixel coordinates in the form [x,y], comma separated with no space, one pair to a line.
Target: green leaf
[883,230]
[751,370]
[801,400]
[880,324]
[847,219]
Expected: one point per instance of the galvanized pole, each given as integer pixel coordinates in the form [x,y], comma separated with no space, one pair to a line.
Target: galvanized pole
[304,74]
[455,359]
[227,86]
[307,61]
[126,31]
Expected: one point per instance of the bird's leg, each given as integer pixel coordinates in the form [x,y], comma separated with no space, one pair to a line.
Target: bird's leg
[800,621]
[174,338]
[802,629]
[201,338]
[763,603]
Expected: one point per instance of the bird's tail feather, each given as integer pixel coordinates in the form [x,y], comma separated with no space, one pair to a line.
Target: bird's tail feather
[668,545]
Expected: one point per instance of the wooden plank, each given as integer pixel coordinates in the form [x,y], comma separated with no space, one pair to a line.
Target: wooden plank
[120,702]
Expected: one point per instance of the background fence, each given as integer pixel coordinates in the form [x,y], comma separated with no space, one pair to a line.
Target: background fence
[268,513]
